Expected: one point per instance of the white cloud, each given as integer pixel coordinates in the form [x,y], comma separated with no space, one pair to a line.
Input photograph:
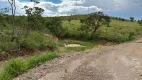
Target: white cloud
[67,7]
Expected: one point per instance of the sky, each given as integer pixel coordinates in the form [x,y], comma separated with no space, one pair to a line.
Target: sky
[118,8]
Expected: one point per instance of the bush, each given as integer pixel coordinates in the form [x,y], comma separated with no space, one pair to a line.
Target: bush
[5,42]
[38,41]
[117,33]
[8,46]
[55,26]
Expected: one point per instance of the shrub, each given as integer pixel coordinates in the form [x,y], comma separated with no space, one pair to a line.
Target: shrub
[5,42]
[55,26]
[8,46]
[38,41]
[117,33]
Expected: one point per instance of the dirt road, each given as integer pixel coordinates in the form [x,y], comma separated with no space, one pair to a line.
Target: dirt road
[120,62]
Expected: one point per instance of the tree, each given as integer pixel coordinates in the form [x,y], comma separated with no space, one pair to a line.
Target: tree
[55,26]
[35,21]
[3,17]
[70,18]
[94,22]
[13,9]
[140,22]
[3,11]
[34,16]
[132,19]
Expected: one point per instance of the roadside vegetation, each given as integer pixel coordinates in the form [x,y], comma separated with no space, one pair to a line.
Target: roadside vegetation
[16,67]
[31,33]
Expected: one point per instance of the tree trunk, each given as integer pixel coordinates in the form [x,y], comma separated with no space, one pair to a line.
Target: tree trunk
[13,6]
[93,33]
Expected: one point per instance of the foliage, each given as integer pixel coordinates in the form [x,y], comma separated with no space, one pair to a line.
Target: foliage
[140,22]
[132,19]
[39,59]
[55,26]
[5,42]
[94,22]
[34,18]
[12,69]
[16,67]
[37,41]
[118,31]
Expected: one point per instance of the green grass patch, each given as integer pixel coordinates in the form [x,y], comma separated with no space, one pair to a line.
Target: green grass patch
[38,60]
[118,31]
[16,67]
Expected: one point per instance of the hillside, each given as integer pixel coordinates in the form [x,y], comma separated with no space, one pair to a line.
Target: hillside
[38,39]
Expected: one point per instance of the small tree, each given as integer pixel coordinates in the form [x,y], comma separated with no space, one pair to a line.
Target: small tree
[55,26]
[70,18]
[3,17]
[140,22]
[132,19]
[94,22]
[35,20]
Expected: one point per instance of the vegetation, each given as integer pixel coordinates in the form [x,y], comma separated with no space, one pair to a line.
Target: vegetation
[93,23]
[27,34]
[16,67]
[117,31]
[34,32]
[132,19]
[55,26]
[140,22]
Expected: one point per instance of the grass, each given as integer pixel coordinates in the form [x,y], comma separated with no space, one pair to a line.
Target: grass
[38,60]
[16,67]
[118,31]
[72,27]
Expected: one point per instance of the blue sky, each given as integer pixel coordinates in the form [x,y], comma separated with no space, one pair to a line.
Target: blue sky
[119,8]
